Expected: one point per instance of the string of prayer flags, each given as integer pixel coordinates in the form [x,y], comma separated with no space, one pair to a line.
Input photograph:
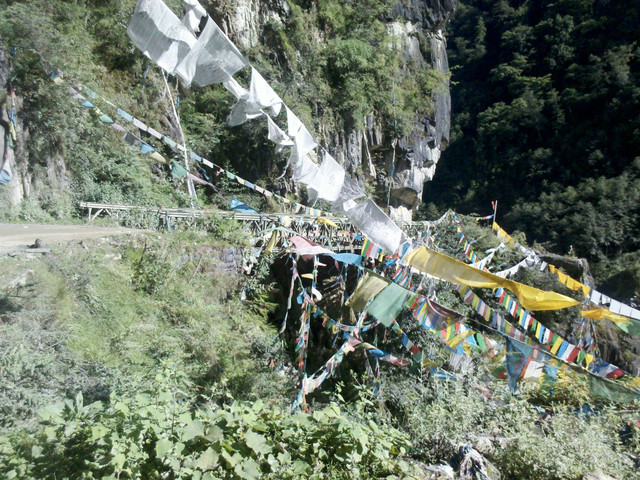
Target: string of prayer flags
[527,262]
[406,342]
[595,297]
[614,306]
[554,343]
[402,277]
[303,335]
[370,250]
[135,141]
[309,384]
[466,248]
[496,320]
[569,282]
[502,234]
[447,268]
[627,324]
[382,355]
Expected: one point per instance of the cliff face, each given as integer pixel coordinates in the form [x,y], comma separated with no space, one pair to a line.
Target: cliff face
[393,162]
[29,177]
[399,167]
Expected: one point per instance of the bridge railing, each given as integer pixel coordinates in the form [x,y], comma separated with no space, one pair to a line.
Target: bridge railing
[306,225]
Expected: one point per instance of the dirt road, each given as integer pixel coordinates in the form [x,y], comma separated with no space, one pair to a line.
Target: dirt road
[18,237]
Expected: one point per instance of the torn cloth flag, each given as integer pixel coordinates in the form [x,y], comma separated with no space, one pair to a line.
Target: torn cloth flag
[261,96]
[237,205]
[156,30]
[517,357]
[212,59]
[389,303]
[327,182]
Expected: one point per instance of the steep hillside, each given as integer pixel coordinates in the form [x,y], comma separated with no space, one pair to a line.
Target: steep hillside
[382,112]
[291,346]
[546,103]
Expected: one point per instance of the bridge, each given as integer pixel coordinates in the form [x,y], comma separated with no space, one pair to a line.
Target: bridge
[337,231]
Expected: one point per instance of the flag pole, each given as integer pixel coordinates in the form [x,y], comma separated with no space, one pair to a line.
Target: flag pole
[190,187]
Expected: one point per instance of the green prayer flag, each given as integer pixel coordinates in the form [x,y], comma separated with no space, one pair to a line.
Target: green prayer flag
[389,303]
[177,170]
[632,327]
[106,119]
[481,342]
[607,390]
[368,287]
[169,142]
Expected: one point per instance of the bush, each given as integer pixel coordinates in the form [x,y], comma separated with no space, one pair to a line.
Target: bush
[155,433]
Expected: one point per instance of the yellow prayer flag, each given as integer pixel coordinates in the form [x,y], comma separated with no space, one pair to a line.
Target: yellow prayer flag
[368,287]
[570,282]
[458,339]
[157,157]
[326,221]
[588,358]
[602,313]
[454,271]
[562,277]
[556,345]
[272,242]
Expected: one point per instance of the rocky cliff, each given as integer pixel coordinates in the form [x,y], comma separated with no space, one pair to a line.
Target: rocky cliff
[398,166]
[369,80]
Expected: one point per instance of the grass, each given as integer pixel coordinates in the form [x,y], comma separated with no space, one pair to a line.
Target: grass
[83,323]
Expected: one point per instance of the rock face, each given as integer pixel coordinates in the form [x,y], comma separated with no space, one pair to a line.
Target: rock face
[30,177]
[403,164]
[10,184]
[245,19]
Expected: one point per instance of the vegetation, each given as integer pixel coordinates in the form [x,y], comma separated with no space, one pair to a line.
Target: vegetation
[545,101]
[135,359]
[146,358]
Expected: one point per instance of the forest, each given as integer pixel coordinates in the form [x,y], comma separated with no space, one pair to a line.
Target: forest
[545,101]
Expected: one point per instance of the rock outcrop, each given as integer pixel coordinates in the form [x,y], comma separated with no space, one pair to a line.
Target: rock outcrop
[401,165]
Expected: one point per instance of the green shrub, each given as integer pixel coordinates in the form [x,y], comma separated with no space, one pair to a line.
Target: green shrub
[155,433]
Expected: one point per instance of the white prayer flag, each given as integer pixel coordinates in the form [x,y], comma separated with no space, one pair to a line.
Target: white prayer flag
[156,30]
